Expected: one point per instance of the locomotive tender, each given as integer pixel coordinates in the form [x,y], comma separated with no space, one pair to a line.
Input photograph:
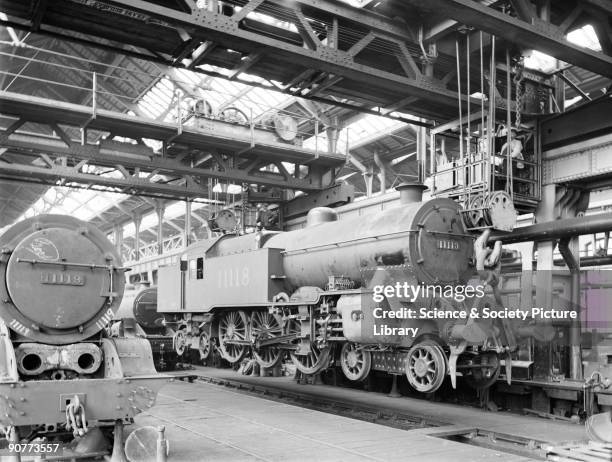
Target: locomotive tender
[308,293]
[61,281]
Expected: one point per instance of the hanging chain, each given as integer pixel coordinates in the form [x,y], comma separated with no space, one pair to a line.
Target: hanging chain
[518,81]
[75,417]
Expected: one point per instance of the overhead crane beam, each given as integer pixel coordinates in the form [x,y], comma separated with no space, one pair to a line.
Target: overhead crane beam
[94,154]
[352,80]
[226,31]
[539,34]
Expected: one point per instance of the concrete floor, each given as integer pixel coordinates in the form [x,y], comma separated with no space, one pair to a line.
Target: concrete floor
[207,422]
[453,414]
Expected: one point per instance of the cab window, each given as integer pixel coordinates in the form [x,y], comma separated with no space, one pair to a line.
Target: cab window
[200,268]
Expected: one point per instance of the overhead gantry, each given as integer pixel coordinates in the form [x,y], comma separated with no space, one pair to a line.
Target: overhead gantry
[236,153]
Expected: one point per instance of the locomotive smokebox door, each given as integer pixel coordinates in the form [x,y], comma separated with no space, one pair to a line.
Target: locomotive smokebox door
[60,279]
[38,283]
[441,248]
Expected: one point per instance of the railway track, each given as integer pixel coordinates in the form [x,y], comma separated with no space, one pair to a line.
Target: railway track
[507,443]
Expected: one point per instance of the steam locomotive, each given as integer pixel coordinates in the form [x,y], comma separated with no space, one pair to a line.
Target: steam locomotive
[61,281]
[308,293]
[137,316]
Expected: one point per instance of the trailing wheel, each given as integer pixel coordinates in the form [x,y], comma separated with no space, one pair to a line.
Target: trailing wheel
[204,346]
[426,366]
[264,326]
[179,342]
[355,362]
[233,335]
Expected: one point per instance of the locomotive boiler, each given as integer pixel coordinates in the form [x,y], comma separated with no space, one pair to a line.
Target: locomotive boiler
[61,281]
[309,293]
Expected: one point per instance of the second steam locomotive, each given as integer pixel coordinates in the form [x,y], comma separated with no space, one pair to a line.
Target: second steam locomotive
[309,294]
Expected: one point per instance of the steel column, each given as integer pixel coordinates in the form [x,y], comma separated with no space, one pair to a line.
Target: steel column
[569,250]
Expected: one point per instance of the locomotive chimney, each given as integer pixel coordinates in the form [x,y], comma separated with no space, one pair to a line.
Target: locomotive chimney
[410,192]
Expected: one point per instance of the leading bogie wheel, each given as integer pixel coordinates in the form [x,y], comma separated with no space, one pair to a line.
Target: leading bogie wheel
[233,335]
[355,362]
[426,366]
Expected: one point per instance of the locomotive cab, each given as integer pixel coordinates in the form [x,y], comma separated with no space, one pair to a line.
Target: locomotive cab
[229,270]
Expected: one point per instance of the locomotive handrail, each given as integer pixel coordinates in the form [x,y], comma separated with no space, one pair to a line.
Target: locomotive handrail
[451,234]
[67,263]
[339,244]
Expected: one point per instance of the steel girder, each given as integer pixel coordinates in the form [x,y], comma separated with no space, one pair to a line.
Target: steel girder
[123,158]
[226,31]
[579,123]
[318,70]
[538,34]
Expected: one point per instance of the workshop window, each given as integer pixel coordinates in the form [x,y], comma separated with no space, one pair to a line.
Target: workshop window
[200,268]
[192,269]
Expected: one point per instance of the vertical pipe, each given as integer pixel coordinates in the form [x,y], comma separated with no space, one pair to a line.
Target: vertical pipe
[347,144]
[94,101]
[252,127]
[316,128]
[421,145]
[543,278]
[509,175]
[570,251]
[137,220]
[160,227]
[332,136]
[482,90]
[187,239]
[467,91]
[118,232]
[575,327]
[485,157]
[432,153]
[459,95]
[491,115]
[179,116]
